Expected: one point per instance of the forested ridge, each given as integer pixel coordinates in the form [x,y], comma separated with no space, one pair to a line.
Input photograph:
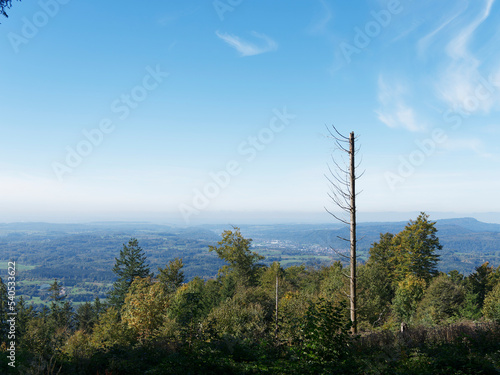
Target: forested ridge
[81,256]
[257,317]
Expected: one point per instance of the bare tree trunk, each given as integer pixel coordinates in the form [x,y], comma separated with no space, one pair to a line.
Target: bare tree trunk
[343,194]
[353,296]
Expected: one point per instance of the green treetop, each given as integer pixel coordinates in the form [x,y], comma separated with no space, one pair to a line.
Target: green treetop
[171,277]
[130,264]
[420,243]
[410,252]
[235,250]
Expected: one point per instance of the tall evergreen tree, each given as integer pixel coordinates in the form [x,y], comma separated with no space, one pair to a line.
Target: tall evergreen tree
[130,264]
[61,311]
[56,292]
[25,313]
[480,283]
[86,317]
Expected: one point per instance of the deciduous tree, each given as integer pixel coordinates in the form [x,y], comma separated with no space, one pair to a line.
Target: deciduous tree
[441,301]
[144,307]
[491,308]
[235,250]
[408,294]
[171,277]
[418,245]
[413,251]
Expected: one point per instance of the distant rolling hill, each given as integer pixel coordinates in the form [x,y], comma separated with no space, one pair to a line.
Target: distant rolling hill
[467,242]
[87,251]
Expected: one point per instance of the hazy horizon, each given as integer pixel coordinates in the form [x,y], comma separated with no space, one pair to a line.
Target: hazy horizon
[179,111]
[245,218]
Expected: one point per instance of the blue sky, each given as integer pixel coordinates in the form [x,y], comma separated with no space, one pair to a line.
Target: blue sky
[200,111]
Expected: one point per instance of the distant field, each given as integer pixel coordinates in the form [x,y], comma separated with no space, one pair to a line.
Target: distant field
[19,266]
[295,259]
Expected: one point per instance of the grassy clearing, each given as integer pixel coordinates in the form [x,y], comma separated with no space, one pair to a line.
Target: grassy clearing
[19,266]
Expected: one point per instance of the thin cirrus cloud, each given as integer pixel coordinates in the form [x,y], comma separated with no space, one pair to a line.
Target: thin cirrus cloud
[458,82]
[393,111]
[473,145]
[429,39]
[320,26]
[246,48]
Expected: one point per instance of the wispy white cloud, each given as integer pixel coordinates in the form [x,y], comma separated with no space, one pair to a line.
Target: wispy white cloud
[491,129]
[474,145]
[246,48]
[319,26]
[457,48]
[409,29]
[461,83]
[394,111]
[168,19]
[425,41]
[401,117]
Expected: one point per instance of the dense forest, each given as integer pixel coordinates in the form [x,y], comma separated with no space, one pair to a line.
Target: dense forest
[264,318]
[81,256]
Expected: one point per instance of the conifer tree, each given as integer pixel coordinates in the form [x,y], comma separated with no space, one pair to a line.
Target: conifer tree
[86,317]
[25,313]
[56,292]
[130,264]
[479,282]
[61,311]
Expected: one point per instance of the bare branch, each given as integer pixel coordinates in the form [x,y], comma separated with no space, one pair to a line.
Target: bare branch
[337,178]
[338,133]
[339,253]
[361,175]
[336,217]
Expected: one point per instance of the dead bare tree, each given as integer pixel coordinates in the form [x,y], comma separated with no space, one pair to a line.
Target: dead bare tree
[343,194]
[5,4]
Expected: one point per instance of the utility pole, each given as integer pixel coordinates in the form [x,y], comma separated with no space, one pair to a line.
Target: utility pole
[276,314]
